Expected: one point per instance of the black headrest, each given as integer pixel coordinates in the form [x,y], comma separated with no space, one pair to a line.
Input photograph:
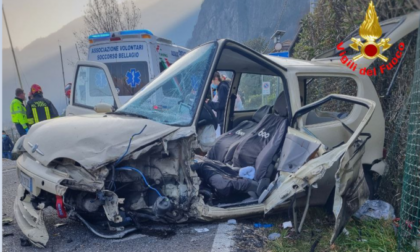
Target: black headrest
[280,106]
[260,113]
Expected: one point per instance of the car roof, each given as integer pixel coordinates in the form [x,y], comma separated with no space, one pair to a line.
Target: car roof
[291,63]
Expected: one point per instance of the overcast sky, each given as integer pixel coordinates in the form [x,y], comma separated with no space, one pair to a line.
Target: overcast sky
[32,19]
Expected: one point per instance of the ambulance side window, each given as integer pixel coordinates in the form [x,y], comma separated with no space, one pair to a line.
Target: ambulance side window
[92,87]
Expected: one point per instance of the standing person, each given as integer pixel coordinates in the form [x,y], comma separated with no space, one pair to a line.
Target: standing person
[18,112]
[7,146]
[39,109]
[222,89]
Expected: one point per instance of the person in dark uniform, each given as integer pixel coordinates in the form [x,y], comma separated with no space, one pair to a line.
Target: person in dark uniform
[219,106]
[39,109]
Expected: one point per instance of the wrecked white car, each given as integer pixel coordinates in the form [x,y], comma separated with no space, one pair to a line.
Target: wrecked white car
[145,161]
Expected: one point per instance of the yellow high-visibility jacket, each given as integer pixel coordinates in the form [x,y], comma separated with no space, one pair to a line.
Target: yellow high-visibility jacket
[18,112]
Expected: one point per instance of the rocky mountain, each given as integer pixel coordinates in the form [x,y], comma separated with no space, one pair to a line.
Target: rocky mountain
[242,20]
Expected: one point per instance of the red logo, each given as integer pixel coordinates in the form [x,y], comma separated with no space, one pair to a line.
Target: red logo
[371,72]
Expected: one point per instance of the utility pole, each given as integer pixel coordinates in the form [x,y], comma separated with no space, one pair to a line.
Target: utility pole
[13,50]
[62,66]
[62,69]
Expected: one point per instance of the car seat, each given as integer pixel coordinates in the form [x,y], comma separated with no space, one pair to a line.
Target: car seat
[263,153]
[267,136]
[224,148]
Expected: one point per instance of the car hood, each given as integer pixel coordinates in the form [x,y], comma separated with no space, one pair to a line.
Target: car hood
[91,140]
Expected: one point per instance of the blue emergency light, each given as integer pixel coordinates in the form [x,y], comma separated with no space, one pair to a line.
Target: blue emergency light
[133,32]
[100,35]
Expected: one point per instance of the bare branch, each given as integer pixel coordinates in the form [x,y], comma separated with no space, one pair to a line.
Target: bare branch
[106,16]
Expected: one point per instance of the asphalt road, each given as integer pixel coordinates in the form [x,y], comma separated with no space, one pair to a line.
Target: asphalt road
[75,237]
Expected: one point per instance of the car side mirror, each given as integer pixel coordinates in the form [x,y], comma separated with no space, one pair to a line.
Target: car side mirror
[103,108]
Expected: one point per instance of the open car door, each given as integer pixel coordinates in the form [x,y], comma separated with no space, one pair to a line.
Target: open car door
[395,29]
[342,163]
[93,86]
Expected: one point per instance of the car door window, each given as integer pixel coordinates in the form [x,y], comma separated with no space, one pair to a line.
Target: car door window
[92,87]
[316,88]
[256,90]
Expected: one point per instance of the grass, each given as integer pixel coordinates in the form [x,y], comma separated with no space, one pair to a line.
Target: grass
[370,236]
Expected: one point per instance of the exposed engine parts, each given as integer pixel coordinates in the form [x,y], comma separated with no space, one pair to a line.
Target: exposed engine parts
[162,206]
[88,202]
[156,186]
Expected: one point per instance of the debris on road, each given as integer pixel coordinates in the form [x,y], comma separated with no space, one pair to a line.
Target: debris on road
[346,232]
[247,238]
[287,224]
[376,209]
[59,224]
[7,221]
[69,240]
[201,230]
[231,222]
[274,236]
[259,225]
[25,242]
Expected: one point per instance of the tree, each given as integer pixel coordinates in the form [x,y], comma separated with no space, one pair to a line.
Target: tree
[259,44]
[106,16]
[332,20]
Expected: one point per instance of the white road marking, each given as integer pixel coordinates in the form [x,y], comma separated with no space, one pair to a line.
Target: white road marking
[223,240]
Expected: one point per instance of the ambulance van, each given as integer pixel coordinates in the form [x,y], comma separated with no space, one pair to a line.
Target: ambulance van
[132,58]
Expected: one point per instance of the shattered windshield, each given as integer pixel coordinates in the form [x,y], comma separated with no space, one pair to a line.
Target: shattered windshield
[173,97]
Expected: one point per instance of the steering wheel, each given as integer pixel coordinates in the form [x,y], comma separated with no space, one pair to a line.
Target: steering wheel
[207,117]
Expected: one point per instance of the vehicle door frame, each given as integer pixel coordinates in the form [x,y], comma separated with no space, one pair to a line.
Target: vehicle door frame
[236,117]
[314,170]
[253,55]
[74,106]
[352,118]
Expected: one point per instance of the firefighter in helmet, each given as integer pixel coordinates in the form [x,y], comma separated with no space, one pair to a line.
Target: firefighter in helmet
[38,108]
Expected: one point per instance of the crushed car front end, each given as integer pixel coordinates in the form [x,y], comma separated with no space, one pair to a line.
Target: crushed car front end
[119,169]
[152,183]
